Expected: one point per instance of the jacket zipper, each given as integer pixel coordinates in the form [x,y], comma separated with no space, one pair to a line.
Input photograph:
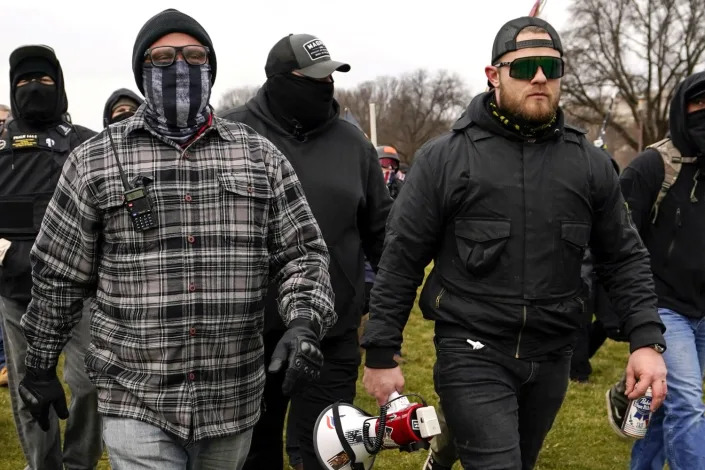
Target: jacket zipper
[673,240]
[523,324]
[438,297]
[582,304]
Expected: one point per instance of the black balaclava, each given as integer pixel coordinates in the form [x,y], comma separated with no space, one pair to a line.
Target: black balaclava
[688,129]
[695,122]
[35,103]
[300,100]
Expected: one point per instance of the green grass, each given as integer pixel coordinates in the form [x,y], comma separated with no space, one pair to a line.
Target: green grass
[581,439]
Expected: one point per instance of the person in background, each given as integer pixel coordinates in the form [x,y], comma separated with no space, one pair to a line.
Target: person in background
[340,174]
[665,190]
[34,146]
[121,104]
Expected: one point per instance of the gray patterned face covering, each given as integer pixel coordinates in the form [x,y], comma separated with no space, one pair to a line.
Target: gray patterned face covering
[177,99]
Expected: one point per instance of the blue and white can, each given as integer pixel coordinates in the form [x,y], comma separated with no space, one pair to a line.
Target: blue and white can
[636,422]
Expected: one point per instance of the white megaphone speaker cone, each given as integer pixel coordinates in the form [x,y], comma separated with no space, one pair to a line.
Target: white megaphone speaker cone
[328,443]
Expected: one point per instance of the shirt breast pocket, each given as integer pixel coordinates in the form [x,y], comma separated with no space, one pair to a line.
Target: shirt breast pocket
[244,208]
[481,243]
[119,234]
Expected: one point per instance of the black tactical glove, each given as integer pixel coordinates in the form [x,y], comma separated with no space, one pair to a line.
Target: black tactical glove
[41,389]
[300,348]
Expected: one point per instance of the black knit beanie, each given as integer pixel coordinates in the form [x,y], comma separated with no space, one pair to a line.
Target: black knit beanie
[161,24]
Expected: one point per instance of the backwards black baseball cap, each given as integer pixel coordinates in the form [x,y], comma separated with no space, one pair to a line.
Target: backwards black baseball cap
[506,39]
[304,53]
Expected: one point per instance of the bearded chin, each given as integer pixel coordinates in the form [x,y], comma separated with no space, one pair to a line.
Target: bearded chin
[537,113]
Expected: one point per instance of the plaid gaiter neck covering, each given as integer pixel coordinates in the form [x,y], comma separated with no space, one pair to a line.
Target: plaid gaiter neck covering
[177,99]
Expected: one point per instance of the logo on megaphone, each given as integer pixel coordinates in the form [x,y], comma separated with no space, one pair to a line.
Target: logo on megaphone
[346,437]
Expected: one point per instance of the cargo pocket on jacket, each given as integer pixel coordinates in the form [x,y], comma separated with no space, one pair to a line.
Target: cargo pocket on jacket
[481,243]
[574,238]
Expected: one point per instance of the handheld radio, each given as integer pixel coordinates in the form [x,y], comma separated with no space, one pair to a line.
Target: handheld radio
[135,200]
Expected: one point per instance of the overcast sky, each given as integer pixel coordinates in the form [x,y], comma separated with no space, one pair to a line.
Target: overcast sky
[93,40]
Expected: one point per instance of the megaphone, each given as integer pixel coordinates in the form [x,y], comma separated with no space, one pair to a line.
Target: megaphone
[347,438]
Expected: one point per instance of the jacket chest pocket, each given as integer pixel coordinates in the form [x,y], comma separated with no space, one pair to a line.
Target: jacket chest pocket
[480,243]
[244,208]
[574,241]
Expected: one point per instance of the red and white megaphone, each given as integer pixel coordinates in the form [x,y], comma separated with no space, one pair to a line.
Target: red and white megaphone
[347,438]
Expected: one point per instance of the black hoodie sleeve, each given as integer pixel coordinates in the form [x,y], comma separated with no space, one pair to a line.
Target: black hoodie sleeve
[414,230]
[621,260]
[373,215]
[640,183]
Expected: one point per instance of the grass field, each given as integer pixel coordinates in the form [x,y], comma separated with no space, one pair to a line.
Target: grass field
[581,439]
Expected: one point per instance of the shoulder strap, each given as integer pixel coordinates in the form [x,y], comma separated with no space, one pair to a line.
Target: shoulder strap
[672,163]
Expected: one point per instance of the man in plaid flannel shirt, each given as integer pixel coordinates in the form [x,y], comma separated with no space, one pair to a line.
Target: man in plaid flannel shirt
[176,352]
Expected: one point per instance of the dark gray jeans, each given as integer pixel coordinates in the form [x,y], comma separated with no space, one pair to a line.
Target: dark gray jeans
[498,408]
[83,444]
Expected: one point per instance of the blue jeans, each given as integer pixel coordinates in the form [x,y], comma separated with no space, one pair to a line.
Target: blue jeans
[2,346]
[676,431]
[136,445]
[498,408]
[83,445]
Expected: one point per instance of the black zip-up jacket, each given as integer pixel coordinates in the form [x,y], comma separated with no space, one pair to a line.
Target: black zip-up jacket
[507,221]
[340,174]
[676,241]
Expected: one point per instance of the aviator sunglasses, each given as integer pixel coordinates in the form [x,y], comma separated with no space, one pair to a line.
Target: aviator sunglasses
[525,68]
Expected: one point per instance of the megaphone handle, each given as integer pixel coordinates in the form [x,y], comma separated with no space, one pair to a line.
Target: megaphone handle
[392,396]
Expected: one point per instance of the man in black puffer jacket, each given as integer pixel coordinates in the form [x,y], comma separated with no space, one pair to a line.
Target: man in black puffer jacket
[33,149]
[340,174]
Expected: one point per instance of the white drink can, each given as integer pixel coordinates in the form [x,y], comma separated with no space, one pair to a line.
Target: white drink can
[638,415]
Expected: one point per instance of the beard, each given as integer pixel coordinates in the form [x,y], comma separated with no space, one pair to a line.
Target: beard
[531,110]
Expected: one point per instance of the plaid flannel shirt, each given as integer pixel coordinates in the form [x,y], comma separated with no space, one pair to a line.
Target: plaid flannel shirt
[178,312]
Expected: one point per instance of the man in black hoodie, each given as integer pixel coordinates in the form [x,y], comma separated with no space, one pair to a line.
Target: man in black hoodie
[121,104]
[338,169]
[671,221]
[506,205]
[33,148]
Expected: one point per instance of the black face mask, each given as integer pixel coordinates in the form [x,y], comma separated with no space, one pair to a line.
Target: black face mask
[121,116]
[305,100]
[695,123]
[36,102]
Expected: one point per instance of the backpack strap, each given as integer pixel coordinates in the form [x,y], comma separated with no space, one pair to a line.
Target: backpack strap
[672,163]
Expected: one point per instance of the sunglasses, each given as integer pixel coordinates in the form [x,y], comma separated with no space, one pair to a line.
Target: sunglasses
[525,68]
[164,56]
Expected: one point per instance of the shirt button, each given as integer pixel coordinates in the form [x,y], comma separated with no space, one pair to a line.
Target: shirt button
[250,189]
[186,155]
[192,331]
[191,239]
[192,287]
[188,198]
[191,376]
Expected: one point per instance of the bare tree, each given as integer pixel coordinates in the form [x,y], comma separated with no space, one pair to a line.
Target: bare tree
[236,97]
[639,48]
[411,109]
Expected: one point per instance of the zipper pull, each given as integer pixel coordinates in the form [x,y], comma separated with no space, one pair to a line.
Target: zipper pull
[678,217]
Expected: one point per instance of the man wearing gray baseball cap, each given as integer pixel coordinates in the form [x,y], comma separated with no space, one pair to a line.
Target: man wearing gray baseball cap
[338,169]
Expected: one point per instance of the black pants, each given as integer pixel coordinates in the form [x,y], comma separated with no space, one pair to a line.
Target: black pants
[341,362]
[499,409]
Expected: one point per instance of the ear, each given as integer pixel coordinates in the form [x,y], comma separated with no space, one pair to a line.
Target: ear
[492,74]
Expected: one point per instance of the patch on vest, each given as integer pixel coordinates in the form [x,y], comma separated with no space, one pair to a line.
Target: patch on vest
[24,141]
